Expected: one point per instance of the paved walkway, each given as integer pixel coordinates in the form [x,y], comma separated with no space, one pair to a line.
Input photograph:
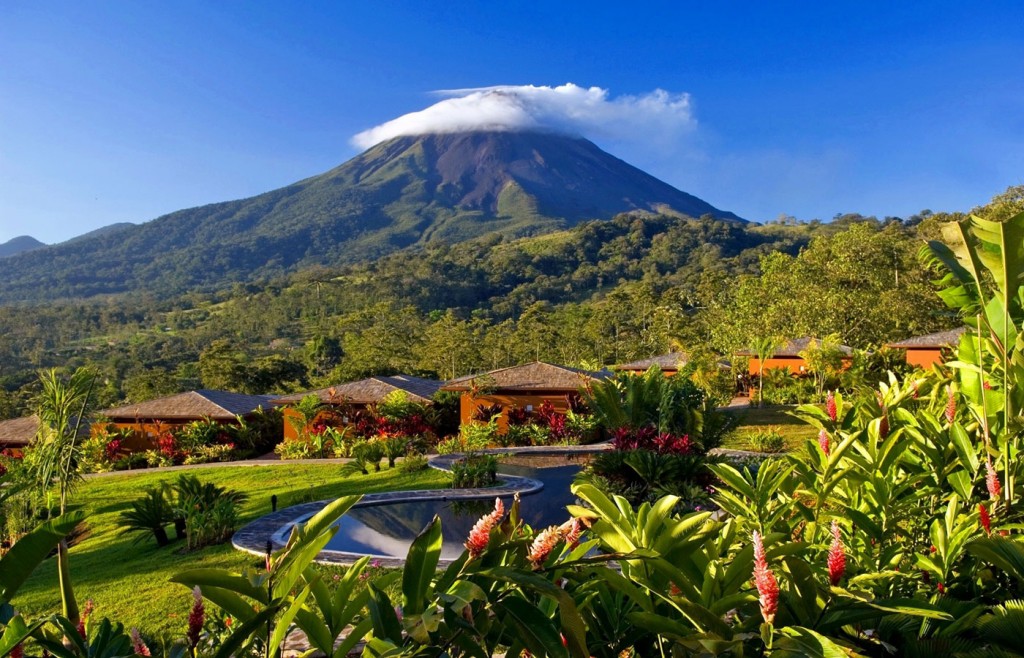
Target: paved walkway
[269,459]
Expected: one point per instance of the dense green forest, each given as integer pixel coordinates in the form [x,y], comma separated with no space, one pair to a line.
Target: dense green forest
[600,293]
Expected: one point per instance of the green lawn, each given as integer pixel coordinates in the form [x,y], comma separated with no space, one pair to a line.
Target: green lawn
[129,582]
[751,419]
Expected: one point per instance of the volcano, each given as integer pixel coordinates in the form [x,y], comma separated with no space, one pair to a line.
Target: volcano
[402,193]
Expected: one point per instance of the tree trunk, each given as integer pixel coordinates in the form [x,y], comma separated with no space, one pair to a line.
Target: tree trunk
[161,536]
[179,528]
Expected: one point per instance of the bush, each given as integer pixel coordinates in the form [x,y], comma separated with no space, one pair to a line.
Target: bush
[211,453]
[292,450]
[413,464]
[209,513]
[768,439]
[475,471]
[149,515]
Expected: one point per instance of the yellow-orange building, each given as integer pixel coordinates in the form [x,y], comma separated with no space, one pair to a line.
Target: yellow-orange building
[925,351]
[148,420]
[520,387]
[788,356]
[17,433]
[358,395]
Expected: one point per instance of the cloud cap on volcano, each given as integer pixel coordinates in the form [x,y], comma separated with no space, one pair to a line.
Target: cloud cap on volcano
[568,108]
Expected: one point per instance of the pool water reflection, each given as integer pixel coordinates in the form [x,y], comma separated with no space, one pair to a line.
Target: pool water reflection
[387,530]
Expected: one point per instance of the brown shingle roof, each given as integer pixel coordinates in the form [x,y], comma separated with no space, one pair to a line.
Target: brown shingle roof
[949,338]
[18,432]
[371,390]
[536,376]
[794,347]
[216,405]
[670,361]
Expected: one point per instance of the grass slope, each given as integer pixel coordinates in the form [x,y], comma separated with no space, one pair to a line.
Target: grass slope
[751,419]
[128,582]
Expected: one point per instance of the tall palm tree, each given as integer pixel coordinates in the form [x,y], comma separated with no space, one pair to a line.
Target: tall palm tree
[62,408]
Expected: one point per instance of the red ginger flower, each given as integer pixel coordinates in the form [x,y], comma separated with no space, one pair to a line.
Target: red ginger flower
[84,618]
[992,480]
[196,618]
[950,405]
[986,520]
[836,556]
[480,535]
[18,651]
[830,407]
[571,531]
[764,581]
[542,545]
[823,443]
[138,646]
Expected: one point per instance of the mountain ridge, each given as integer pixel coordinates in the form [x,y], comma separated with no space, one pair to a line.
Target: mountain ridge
[405,192]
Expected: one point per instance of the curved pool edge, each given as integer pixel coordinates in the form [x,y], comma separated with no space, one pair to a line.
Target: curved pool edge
[253,537]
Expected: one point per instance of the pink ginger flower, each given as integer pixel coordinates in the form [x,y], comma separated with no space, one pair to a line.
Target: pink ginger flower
[542,544]
[196,618]
[138,646]
[830,407]
[950,405]
[823,443]
[992,480]
[913,385]
[480,535]
[986,520]
[883,423]
[571,531]
[764,581]
[836,556]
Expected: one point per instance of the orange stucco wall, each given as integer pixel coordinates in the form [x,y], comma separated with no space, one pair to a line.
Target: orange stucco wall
[145,433]
[925,357]
[468,404]
[288,412]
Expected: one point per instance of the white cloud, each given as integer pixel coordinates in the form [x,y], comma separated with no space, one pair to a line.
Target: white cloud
[658,115]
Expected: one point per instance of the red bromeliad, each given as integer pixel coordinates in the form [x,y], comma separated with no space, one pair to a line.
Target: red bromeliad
[992,480]
[764,581]
[830,407]
[836,556]
[480,535]
[986,520]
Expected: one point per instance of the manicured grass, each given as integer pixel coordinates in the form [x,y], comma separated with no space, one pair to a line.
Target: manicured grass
[751,419]
[128,581]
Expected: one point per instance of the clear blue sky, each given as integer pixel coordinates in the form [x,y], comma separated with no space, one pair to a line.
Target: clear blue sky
[122,111]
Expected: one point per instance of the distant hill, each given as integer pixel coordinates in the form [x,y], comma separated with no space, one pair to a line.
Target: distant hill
[105,230]
[406,192]
[19,245]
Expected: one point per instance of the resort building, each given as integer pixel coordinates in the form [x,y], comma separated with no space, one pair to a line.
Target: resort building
[520,387]
[669,364]
[925,351]
[149,419]
[359,395]
[788,356]
[17,433]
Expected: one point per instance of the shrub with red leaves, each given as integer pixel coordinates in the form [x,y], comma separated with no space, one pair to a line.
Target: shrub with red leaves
[486,412]
[112,448]
[519,416]
[167,445]
[648,438]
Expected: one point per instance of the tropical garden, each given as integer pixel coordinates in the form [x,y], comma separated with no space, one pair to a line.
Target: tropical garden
[895,531]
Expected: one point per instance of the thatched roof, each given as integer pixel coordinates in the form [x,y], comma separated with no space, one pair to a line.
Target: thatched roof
[193,405]
[670,361]
[371,391]
[940,339]
[794,347]
[18,432]
[536,376]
